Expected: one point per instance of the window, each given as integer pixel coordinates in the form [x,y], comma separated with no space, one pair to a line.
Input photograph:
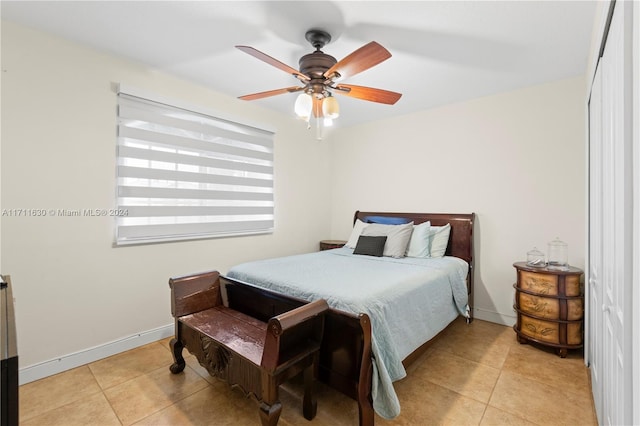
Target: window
[183,174]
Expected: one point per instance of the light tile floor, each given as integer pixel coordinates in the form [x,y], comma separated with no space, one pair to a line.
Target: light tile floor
[473,374]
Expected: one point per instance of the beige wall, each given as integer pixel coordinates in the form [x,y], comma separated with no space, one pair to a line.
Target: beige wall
[515,159]
[74,290]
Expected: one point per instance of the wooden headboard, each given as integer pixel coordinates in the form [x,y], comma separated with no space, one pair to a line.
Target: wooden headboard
[461,236]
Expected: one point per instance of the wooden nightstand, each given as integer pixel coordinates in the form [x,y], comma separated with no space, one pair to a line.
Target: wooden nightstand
[549,306]
[331,244]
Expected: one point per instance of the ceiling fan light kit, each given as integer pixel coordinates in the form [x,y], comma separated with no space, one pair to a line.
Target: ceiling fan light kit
[303,106]
[320,73]
[330,107]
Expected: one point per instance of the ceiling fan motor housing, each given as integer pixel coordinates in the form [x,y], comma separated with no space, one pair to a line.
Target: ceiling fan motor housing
[315,64]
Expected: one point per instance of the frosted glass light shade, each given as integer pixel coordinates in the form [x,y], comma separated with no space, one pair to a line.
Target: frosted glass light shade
[303,106]
[330,107]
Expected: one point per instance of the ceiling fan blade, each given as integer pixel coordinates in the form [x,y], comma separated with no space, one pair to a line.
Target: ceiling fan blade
[359,60]
[261,95]
[368,93]
[272,61]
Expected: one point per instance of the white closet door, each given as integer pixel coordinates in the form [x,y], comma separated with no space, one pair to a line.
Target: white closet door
[594,285]
[610,227]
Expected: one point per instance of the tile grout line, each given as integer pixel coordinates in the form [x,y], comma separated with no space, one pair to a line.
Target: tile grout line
[487,405]
[493,390]
[74,400]
[208,385]
[104,395]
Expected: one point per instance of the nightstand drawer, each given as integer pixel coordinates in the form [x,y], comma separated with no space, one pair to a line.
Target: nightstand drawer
[548,284]
[549,331]
[545,331]
[542,307]
[539,283]
[546,307]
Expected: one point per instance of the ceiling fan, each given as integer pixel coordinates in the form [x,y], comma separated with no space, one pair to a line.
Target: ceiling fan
[319,73]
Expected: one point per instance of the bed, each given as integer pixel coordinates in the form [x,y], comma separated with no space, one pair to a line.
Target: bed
[380,323]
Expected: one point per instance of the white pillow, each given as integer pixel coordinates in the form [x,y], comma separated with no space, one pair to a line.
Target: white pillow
[355,233]
[439,239]
[420,240]
[398,237]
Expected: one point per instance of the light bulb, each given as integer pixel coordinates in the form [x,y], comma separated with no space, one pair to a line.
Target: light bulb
[303,106]
[330,107]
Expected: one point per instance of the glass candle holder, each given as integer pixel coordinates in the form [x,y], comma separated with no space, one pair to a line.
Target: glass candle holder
[535,258]
[558,255]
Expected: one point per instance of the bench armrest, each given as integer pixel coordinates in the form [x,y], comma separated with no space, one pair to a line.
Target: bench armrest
[294,334]
[285,321]
[195,293]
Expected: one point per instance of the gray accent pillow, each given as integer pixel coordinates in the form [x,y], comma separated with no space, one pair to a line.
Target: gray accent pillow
[370,246]
[398,237]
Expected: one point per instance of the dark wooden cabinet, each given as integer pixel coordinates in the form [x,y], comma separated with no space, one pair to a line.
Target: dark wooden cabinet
[550,307]
[331,244]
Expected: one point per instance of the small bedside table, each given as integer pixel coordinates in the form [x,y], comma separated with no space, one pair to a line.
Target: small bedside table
[331,244]
[549,306]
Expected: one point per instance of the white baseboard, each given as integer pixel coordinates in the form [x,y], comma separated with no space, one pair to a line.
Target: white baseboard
[67,362]
[492,316]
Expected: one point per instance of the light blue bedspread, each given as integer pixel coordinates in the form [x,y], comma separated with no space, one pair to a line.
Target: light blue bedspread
[409,301]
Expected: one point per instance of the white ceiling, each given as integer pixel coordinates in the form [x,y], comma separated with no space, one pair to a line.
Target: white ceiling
[443,51]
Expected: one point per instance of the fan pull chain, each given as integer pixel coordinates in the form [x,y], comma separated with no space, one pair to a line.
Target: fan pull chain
[318,129]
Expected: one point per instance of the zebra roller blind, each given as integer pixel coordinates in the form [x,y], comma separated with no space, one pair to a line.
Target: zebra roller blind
[183,174]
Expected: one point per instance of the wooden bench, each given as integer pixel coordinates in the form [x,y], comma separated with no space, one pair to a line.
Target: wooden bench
[243,349]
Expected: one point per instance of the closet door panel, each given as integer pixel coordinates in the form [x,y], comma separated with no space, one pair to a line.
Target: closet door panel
[610,225]
[594,285]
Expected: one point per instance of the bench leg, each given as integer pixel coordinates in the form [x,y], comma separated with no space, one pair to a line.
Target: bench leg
[309,403]
[270,414]
[270,406]
[176,350]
